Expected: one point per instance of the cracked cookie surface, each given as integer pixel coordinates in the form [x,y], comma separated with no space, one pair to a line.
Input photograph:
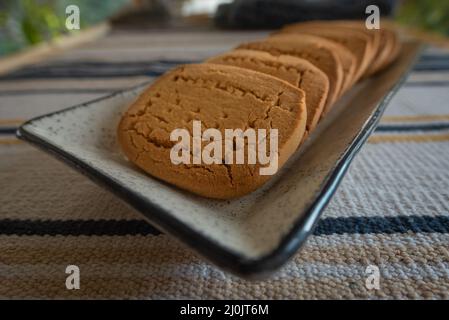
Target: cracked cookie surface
[296,71]
[221,97]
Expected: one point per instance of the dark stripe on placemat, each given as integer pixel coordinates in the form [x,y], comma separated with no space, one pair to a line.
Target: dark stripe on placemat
[76,227]
[21,92]
[79,74]
[442,83]
[327,226]
[387,225]
[95,69]
[98,69]
[432,62]
[434,57]
[43,91]
[412,127]
[8,130]
[432,66]
[380,128]
[57,91]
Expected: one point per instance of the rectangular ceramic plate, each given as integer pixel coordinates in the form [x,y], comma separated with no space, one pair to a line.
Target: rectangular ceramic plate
[250,236]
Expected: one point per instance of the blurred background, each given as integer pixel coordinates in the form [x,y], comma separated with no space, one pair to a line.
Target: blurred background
[27,22]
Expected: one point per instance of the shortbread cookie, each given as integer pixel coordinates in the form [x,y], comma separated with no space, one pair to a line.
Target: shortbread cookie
[384,40]
[378,39]
[359,43]
[318,51]
[221,97]
[347,60]
[385,48]
[393,50]
[299,72]
[390,28]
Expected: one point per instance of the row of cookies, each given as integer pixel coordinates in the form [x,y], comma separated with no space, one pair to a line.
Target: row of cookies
[323,58]
[285,82]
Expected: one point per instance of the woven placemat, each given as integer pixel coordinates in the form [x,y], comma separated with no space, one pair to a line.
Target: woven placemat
[391,211]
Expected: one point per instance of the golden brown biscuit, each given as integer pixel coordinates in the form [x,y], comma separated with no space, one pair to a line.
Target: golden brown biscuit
[347,59]
[359,43]
[221,97]
[318,51]
[298,72]
[391,51]
[385,47]
[391,28]
[384,39]
[377,39]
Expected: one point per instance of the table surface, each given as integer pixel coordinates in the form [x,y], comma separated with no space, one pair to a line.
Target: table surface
[391,210]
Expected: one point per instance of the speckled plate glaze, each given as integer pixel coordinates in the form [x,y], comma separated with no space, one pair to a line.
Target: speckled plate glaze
[251,236]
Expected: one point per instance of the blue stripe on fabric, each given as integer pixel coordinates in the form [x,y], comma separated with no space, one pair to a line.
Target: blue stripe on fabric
[412,127]
[380,128]
[326,226]
[8,130]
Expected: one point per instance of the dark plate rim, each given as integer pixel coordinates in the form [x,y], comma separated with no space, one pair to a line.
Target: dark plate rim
[209,248]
